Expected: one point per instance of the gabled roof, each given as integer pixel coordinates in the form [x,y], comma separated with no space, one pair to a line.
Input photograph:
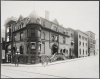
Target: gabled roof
[55,21]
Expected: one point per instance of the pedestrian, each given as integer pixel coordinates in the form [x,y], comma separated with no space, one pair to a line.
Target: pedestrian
[16,58]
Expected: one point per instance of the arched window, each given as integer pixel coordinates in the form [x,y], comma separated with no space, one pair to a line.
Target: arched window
[64,50]
[60,50]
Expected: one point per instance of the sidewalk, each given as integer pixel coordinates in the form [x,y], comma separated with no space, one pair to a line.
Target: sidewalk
[52,63]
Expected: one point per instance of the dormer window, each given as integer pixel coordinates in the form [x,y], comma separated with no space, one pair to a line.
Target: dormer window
[55,28]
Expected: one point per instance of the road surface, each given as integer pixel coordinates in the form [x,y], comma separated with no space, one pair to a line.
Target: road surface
[87,67]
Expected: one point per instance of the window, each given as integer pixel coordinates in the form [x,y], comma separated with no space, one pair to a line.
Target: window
[80,36]
[80,51]
[64,50]
[55,28]
[21,36]
[39,33]
[53,37]
[44,23]
[86,39]
[66,33]
[83,44]
[94,41]
[64,40]
[90,45]
[83,51]
[33,45]
[91,40]
[86,52]
[86,44]
[14,37]
[21,49]
[7,29]
[15,28]
[79,43]
[32,32]
[71,35]
[7,38]
[40,47]
[60,50]
[43,35]
[67,51]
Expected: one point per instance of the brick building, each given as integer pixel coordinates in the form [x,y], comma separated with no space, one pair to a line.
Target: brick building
[70,32]
[34,35]
[91,42]
[81,44]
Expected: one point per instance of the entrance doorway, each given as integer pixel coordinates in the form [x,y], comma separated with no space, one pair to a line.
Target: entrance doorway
[54,49]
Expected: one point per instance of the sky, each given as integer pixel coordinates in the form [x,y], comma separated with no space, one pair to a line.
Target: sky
[82,15]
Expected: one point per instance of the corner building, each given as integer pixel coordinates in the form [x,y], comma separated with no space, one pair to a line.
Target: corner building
[33,36]
[81,44]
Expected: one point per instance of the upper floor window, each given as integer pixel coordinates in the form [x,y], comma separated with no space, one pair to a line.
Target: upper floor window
[66,33]
[21,36]
[7,38]
[43,35]
[39,33]
[55,28]
[54,38]
[14,37]
[44,23]
[80,36]
[86,44]
[71,35]
[83,51]
[86,52]
[64,40]
[79,43]
[32,32]
[80,51]
[83,44]
[7,29]
[86,39]
[33,45]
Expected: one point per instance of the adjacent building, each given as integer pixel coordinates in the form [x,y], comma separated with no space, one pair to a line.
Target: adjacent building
[91,43]
[97,46]
[81,44]
[70,32]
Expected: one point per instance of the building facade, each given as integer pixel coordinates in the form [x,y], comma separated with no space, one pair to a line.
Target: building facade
[70,32]
[81,44]
[91,43]
[33,36]
[97,47]
[2,45]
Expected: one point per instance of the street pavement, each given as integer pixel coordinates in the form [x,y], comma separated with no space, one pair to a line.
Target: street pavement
[87,67]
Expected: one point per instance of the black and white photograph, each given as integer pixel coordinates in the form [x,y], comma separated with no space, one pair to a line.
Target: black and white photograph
[49,39]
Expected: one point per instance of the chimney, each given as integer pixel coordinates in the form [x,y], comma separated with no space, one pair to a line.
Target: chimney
[46,15]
